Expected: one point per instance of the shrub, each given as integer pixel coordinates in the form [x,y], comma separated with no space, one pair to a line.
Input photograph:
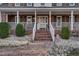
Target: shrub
[4,30]
[65,33]
[20,30]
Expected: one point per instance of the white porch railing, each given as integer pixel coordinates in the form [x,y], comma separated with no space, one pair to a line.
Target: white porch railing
[34,31]
[27,25]
[76,26]
[12,25]
[68,24]
[52,31]
[59,26]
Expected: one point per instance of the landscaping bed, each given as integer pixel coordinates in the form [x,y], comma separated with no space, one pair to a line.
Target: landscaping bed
[14,41]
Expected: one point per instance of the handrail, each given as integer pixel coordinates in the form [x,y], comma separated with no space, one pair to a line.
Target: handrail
[34,30]
[52,31]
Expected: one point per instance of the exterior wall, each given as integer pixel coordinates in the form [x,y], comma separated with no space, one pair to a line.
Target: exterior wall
[23,18]
[53,18]
[65,18]
[77,18]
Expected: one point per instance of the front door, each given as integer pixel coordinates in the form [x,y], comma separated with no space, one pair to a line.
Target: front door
[59,21]
[42,22]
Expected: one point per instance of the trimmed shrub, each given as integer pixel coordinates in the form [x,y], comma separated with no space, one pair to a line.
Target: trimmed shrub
[65,33]
[20,30]
[4,30]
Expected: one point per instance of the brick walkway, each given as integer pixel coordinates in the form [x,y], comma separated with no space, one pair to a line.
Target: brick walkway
[32,49]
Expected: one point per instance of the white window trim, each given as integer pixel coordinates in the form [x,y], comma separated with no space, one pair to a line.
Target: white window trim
[71,4]
[17,4]
[29,4]
[59,4]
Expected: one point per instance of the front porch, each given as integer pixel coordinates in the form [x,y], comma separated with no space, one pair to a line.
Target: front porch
[42,21]
[35,19]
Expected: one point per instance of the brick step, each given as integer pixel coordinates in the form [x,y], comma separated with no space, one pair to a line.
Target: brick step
[42,36]
[43,39]
[43,33]
[42,30]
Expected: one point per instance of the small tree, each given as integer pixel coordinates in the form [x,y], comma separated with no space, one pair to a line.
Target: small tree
[65,33]
[20,30]
[4,30]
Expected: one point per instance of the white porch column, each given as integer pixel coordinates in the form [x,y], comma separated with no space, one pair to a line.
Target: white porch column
[35,18]
[35,15]
[0,17]
[50,16]
[6,17]
[72,20]
[17,17]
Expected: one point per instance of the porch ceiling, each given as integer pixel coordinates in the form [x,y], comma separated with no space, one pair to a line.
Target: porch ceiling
[42,10]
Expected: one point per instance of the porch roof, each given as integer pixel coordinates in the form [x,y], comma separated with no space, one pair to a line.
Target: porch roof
[37,9]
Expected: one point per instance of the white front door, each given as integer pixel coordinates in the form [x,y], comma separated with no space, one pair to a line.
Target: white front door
[42,22]
[59,21]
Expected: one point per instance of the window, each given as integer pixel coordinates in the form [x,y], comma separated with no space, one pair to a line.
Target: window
[29,4]
[59,4]
[72,4]
[17,4]
[42,4]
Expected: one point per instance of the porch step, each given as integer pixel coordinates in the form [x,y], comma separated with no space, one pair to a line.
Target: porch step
[42,35]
